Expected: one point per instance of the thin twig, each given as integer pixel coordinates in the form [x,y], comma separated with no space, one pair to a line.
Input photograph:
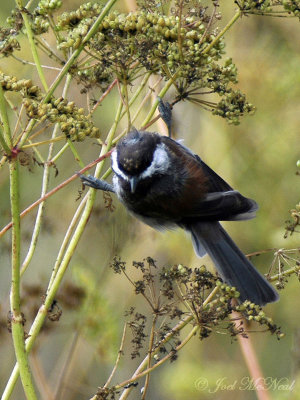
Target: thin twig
[120,353]
[56,189]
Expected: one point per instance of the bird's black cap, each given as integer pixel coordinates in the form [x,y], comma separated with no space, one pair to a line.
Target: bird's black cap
[135,151]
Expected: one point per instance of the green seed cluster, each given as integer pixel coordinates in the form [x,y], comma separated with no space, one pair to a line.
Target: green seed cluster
[219,77]
[196,281]
[232,106]
[8,42]
[70,20]
[74,124]
[292,6]
[161,44]
[128,44]
[151,37]
[253,312]
[261,6]
[47,7]
[23,86]
[38,18]
[77,23]
[40,25]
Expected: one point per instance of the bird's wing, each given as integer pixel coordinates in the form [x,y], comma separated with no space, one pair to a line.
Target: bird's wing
[217,200]
[223,206]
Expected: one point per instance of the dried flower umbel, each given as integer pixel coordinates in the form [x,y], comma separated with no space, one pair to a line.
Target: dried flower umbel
[179,292]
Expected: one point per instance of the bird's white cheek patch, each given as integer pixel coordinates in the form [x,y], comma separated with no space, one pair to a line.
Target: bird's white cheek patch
[160,162]
[117,187]
[115,167]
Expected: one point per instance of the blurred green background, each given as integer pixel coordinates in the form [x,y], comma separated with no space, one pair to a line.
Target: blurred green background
[258,158]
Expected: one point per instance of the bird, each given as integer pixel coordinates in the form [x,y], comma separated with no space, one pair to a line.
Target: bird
[165,185]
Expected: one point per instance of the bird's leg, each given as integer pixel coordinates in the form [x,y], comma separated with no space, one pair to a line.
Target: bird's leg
[165,110]
[96,183]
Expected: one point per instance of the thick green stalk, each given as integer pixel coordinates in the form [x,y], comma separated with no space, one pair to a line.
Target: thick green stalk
[60,272]
[33,46]
[16,314]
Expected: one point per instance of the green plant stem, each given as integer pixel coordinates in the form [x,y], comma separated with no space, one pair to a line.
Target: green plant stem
[75,153]
[42,313]
[16,314]
[26,132]
[5,138]
[223,31]
[65,260]
[60,153]
[45,185]
[125,91]
[38,221]
[32,45]
[34,145]
[290,271]
[67,238]
[77,52]
[68,65]
[155,104]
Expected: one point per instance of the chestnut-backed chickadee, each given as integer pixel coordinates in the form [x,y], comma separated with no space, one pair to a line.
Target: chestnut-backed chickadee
[165,185]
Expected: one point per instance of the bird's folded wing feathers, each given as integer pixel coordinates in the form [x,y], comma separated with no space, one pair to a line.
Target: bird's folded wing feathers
[225,206]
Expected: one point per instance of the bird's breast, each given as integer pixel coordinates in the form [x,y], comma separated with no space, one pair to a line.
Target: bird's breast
[169,197]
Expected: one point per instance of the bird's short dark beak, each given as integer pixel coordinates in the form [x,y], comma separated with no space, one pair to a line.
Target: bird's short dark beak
[133,182]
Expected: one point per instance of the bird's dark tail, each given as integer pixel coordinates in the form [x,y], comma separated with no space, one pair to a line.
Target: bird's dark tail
[232,265]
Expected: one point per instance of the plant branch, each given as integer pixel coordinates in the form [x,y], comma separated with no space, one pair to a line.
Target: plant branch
[56,189]
[66,258]
[223,31]
[17,322]
[137,374]
[78,51]
[32,45]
